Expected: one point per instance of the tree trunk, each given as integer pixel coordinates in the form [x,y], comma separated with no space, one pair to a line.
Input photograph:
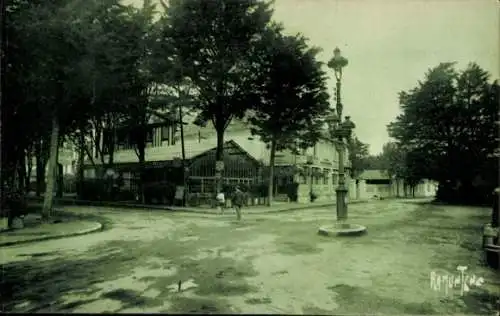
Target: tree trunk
[111,148]
[21,169]
[357,189]
[219,158]
[141,149]
[111,156]
[60,180]
[397,187]
[183,150]
[58,174]
[81,161]
[97,141]
[271,173]
[40,167]
[413,191]
[29,169]
[142,170]
[49,192]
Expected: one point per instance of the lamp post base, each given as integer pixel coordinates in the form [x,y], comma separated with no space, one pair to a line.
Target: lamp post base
[341,204]
[342,229]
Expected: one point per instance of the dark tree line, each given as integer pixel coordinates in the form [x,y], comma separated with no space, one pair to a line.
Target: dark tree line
[82,70]
[448,132]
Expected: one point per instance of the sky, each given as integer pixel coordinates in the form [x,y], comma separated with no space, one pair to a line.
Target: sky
[390,45]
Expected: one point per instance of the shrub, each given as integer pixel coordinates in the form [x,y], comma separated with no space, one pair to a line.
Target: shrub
[94,190]
[292,191]
[193,199]
[313,196]
[13,204]
[125,195]
[259,190]
[159,191]
[32,186]
[69,183]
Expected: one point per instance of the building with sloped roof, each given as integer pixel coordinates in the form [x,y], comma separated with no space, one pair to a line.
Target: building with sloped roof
[246,160]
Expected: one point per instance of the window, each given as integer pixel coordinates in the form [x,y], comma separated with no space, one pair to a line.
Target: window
[325,176]
[334,179]
[315,174]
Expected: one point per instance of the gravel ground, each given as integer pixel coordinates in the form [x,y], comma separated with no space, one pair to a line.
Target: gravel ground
[268,263]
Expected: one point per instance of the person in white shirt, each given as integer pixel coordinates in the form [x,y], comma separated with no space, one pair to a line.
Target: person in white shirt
[221,201]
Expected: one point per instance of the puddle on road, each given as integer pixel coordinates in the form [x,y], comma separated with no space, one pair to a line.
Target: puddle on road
[189,238]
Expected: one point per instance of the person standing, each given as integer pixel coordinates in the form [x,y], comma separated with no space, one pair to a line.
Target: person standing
[221,202]
[237,201]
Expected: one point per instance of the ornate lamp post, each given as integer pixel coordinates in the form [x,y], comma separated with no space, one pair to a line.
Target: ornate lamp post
[340,130]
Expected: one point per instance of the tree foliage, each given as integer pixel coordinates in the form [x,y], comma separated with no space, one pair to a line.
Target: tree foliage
[359,156]
[215,42]
[72,68]
[292,91]
[393,158]
[448,128]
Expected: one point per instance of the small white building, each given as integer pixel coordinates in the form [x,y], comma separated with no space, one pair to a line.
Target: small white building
[377,183]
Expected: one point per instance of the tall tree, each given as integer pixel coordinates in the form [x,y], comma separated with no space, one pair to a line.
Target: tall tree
[293,96]
[106,70]
[448,122]
[61,57]
[215,41]
[393,158]
[143,85]
[176,99]
[358,156]
[46,32]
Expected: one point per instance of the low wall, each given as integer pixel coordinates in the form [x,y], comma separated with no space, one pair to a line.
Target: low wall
[324,193]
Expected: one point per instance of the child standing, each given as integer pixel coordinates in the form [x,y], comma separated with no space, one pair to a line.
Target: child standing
[221,201]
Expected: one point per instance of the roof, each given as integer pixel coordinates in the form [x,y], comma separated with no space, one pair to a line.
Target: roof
[191,130]
[376,174]
[229,147]
[192,148]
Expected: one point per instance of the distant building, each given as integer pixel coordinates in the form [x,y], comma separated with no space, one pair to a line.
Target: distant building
[246,160]
[377,183]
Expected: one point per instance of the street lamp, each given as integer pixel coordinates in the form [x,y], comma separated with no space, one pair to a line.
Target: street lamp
[337,63]
[340,130]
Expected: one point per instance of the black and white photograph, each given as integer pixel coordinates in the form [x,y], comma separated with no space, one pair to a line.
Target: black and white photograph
[294,157]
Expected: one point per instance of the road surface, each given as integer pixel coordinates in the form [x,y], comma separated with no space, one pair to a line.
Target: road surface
[155,261]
